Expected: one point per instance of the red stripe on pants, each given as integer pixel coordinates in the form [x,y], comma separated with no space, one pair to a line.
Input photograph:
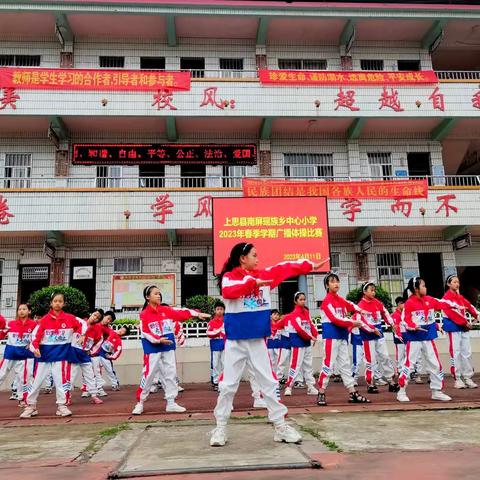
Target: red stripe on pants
[402,379]
[368,361]
[293,366]
[146,369]
[326,361]
[452,356]
[438,360]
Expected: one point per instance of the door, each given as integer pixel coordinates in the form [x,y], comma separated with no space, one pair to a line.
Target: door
[419,164]
[32,278]
[83,274]
[286,292]
[193,277]
[431,270]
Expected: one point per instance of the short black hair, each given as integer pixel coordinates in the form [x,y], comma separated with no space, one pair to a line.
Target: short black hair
[218,303]
[111,314]
[399,300]
[274,310]
[127,329]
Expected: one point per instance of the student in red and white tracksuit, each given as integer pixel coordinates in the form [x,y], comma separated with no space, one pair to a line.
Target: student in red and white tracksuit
[302,333]
[335,329]
[79,359]
[418,317]
[216,334]
[397,331]
[158,341]
[283,352]
[51,341]
[458,334]
[17,356]
[374,346]
[246,292]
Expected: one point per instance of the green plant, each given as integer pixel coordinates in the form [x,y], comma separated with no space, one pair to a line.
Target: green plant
[126,321]
[383,295]
[203,303]
[75,301]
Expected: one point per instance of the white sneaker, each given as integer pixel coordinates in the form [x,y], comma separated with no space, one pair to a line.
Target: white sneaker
[102,393]
[381,382]
[439,395]
[29,412]
[218,437]
[402,395]
[285,433]
[180,388]
[288,392]
[175,408]
[259,403]
[312,390]
[138,409]
[63,411]
[14,396]
[85,394]
[459,383]
[470,383]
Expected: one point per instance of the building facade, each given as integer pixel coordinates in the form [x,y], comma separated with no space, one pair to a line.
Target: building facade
[343,97]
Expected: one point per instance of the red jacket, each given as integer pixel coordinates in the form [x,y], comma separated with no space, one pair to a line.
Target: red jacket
[299,323]
[112,346]
[216,328]
[463,304]
[377,311]
[3,325]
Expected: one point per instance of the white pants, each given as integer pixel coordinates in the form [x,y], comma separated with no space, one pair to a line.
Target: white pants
[376,358]
[283,363]
[432,363]
[336,358]
[103,365]
[162,363]
[237,354]
[58,372]
[216,365]
[73,369]
[399,356]
[358,357]
[273,353]
[460,355]
[301,363]
[23,374]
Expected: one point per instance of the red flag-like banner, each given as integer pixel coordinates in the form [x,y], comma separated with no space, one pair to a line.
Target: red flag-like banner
[367,189]
[89,79]
[339,78]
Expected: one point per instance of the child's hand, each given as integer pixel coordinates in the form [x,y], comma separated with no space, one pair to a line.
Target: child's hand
[261,283]
[203,316]
[357,323]
[165,341]
[36,352]
[377,332]
[316,266]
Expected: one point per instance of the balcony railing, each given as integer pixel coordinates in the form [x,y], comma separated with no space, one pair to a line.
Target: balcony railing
[224,74]
[458,76]
[204,182]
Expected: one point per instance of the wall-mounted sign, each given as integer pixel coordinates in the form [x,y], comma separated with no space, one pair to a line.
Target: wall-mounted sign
[161,153]
[83,272]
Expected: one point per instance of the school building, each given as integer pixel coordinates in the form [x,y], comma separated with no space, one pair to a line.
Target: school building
[121,120]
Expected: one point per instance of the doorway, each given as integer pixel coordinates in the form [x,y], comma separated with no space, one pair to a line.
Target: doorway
[83,273]
[32,278]
[431,270]
[419,164]
[286,292]
[193,277]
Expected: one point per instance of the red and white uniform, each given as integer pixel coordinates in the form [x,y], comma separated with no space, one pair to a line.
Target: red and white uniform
[375,348]
[216,334]
[335,329]
[247,326]
[302,332]
[459,337]
[159,359]
[17,356]
[398,330]
[53,336]
[420,311]
[110,349]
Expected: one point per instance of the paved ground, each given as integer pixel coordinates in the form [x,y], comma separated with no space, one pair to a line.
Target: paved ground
[420,440]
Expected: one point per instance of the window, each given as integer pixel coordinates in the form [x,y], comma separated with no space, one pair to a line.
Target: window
[231,67]
[152,63]
[127,265]
[109,177]
[151,176]
[308,165]
[371,64]
[232,176]
[195,65]
[408,65]
[380,165]
[112,62]
[389,273]
[335,262]
[19,60]
[193,176]
[18,170]
[301,64]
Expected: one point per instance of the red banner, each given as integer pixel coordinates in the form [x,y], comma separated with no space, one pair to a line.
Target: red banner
[374,189]
[280,228]
[73,79]
[339,78]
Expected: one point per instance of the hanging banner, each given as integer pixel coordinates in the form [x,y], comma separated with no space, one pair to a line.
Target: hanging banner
[375,189]
[89,79]
[280,228]
[339,78]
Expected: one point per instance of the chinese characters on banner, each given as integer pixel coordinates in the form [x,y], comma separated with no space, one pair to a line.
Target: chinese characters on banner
[340,190]
[276,227]
[90,79]
[5,214]
[9,98]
